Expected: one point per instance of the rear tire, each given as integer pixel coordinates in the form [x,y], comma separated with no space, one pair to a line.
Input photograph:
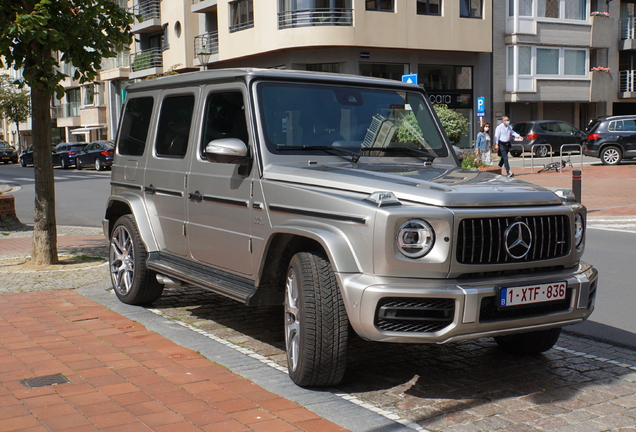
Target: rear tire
[63,163]
[133,282]
[23,163]
[529,343]
[98,164]
[77,164]
[611,155]
[316,324]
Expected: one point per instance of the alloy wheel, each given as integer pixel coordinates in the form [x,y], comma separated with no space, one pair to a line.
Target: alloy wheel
[292,321]
[122,259]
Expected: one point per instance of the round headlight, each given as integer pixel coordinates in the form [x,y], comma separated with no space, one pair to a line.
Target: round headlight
[415,238]
[579,228]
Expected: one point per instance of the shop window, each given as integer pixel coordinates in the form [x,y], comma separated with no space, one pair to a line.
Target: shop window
[323,67]
[429,7]
[392,71]
[380,5]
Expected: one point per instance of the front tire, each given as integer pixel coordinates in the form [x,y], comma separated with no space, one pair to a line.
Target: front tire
[78,166]
[23,163]
[529,343]
[541,151]
[611,155]
[133,282]
[316,324]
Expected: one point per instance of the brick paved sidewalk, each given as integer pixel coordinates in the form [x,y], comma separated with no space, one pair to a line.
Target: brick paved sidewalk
[122,377]
[24,245]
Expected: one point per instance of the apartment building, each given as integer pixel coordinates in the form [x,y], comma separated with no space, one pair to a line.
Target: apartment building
[559,59]
[448,43]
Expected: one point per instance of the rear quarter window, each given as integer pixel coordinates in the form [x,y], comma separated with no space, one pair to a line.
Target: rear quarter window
[135,124]
[522,128]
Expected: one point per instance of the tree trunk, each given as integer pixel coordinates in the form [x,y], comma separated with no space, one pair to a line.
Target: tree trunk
[45,227]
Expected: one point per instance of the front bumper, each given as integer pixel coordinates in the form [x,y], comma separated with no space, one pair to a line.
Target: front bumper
[474,312]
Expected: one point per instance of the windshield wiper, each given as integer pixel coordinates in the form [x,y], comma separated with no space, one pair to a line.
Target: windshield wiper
[421,153]
[340,151]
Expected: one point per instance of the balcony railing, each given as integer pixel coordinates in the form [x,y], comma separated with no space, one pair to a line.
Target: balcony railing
[147,10]
[146,59]
[628,28]
[71,109]
[627,81]
[209,41]
[315,17]
[121,61]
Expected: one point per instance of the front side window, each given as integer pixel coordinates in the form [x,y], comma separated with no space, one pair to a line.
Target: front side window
[429,7]
[241,15]
[134,126]
[471,8]
[224,118]
[344,119]
[380,5]
[174,126]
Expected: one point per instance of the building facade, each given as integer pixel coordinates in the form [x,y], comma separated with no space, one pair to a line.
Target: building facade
[558,60]
[448,43]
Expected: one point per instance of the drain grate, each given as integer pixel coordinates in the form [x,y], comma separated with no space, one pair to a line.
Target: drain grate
[44,381]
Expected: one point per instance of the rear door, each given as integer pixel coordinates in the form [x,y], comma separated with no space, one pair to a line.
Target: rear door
[166,169]
[629,127]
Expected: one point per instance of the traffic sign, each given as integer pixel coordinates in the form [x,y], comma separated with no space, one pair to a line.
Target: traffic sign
[481,106]
[410,78]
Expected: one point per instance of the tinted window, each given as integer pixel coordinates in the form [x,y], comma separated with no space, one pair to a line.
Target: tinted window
[77,147]
[629,125]
[134,126]
[615,126]
[174,126]
[522,128]
[224,118]
[565,127]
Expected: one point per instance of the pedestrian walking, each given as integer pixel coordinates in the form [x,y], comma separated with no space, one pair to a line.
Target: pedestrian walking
[483,144]
[503,135]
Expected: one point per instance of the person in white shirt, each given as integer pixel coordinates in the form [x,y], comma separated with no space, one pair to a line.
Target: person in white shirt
[503,135]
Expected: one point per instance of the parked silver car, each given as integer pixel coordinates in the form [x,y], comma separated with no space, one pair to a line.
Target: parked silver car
[339,197]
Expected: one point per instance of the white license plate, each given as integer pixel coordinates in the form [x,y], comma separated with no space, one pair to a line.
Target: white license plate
[524,295]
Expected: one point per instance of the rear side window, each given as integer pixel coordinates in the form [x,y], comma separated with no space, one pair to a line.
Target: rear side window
[565,127]
[174,126]
[629,125]
[134,126]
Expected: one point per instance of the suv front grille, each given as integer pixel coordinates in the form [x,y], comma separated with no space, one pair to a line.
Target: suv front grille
[426,315]
[481,241]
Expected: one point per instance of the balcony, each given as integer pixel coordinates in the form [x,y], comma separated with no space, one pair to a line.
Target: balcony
[146,62]
[203,6]
[315,17]
[603,33]
[115,67]
[627,84]
[210,42]
[68,114]
[150,16]
[628,34]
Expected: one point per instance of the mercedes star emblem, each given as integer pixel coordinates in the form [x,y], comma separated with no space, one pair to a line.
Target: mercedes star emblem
[518,240]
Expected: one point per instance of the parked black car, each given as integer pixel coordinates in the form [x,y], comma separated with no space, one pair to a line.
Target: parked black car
[98,154]
[65,153]
[554,133]
[612,139]
[26,157]
[7,153]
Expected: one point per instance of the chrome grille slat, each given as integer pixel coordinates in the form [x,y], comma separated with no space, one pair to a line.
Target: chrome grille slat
[481,240]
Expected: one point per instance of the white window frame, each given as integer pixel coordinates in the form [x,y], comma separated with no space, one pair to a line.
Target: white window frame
[535,13]
[561,66]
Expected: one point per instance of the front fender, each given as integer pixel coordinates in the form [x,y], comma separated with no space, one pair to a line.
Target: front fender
[119,205]
[334,242]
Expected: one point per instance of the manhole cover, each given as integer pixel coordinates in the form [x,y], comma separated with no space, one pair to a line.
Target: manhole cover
[44,381]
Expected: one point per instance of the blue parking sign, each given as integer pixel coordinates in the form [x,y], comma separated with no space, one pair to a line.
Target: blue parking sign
[410,78]
[481,106]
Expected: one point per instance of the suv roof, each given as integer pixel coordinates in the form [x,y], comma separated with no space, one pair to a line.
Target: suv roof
[249,74]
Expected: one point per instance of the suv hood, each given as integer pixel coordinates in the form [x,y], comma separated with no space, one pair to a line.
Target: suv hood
[437,185]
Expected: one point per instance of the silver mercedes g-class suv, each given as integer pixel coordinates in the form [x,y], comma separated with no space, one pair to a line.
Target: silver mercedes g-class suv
[341,198]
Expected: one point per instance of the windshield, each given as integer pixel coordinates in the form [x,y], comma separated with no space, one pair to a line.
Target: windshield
[303,117]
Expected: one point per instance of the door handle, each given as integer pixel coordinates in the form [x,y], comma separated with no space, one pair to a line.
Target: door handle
[196,197]
[151,190]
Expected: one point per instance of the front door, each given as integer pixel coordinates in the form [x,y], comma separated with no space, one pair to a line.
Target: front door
[166,171]
[219,194]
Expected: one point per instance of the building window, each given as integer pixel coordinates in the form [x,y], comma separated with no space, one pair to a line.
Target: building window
[556,62]
[380,5]
[429,7]
[303,13]
[525,7]
[562,9]
[442,77]
[89,95]
[241,15]
[324,67]
[471,8]
[392,71]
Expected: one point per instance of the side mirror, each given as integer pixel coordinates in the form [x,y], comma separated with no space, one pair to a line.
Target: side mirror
[226,150]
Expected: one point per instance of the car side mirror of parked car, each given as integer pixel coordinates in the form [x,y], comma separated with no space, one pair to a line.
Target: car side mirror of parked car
[229,151]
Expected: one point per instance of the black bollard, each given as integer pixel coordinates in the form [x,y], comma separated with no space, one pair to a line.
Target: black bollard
[576,184]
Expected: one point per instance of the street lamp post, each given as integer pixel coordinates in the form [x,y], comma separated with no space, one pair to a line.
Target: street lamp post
[204,56]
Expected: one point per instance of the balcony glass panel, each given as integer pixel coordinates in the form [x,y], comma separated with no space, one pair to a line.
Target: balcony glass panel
[146,59]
